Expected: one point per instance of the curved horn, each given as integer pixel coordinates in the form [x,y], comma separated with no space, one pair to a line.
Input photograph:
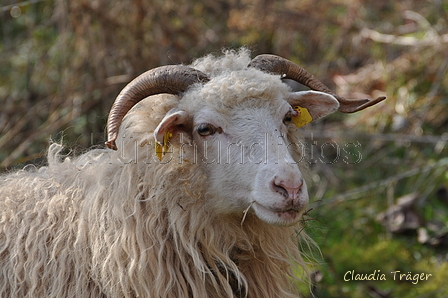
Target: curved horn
[290,70]
[172,79]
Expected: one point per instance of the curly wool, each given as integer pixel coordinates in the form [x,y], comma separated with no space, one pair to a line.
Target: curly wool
[118,224]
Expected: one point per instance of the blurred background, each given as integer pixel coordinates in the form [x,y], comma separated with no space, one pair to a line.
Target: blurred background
[380,176]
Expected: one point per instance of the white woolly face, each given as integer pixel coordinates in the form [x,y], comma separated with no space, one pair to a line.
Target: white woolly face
[245,153]
[248,163]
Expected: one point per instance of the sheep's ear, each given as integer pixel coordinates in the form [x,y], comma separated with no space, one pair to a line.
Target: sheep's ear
[166,128]
[317,104]
[169,124]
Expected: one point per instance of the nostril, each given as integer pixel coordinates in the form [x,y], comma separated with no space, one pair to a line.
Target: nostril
[287,189]
[280,189]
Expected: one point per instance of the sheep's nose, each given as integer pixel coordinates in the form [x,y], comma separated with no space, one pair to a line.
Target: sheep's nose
[288,188]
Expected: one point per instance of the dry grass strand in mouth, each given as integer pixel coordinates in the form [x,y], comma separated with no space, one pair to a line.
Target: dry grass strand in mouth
[245,212]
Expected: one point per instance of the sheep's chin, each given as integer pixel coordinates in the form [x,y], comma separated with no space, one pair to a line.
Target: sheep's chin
[277,218]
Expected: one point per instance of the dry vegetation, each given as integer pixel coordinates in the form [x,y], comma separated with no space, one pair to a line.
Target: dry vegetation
[63,62]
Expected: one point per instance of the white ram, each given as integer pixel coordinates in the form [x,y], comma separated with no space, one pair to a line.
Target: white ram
[217,216]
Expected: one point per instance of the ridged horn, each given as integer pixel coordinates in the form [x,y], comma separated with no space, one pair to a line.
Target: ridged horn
[171,79]
[290,70]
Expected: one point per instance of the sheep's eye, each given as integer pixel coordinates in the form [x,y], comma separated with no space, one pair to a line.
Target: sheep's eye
[288,118]
[206,129]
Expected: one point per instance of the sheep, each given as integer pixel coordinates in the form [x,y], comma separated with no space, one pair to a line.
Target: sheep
[199,193]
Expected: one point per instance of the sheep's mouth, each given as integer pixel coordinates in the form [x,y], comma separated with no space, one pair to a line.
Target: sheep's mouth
[283,210]
[291,208]
[277,216]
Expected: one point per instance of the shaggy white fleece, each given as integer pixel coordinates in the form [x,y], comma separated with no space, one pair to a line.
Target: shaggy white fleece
[121,224]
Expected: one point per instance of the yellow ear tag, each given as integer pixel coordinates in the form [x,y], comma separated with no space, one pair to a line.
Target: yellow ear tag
[162,149]
[303,116]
